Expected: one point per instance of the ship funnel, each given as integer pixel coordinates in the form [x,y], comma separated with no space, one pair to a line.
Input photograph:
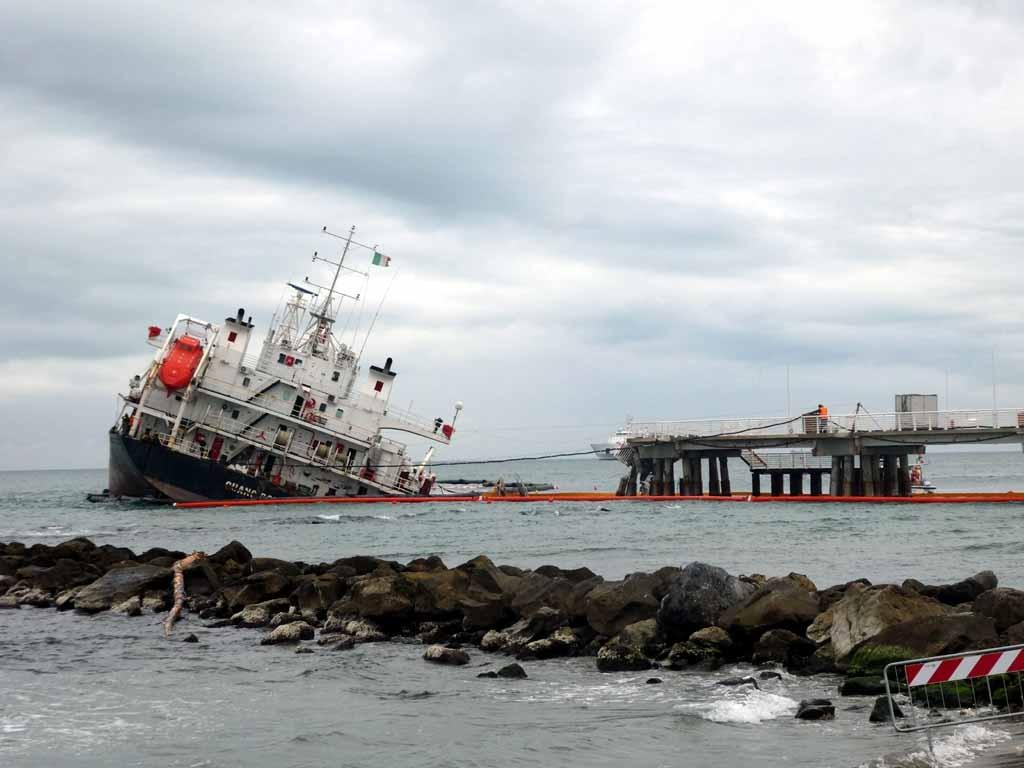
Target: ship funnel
[387,365]
[241,314]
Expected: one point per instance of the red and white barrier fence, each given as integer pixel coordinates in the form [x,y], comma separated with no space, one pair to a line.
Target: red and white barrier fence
[956,689]
[964,667]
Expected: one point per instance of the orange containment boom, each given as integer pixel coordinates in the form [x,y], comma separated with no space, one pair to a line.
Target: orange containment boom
[931,498]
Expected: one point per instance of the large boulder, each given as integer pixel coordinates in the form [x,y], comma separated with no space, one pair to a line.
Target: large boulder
[865,612]
[572,575]
[487,578]
[614,605]
[258,587]
[74,549]
[283,567]
[489,593]
[539,591]
[564,641]
[201,579]
[920,638]
[615,657]
[1004,606]
[541,624]
[388,597]
[258,614]
[441,591]
[697,597]
[442,654]
[783,603]
[956,594]
[832,595]
[815,709]
[235,551]
[63,574]
[576,602]
[783,647]
[291,632]
[107,555]
[316,594]
[118,584]
[361,630]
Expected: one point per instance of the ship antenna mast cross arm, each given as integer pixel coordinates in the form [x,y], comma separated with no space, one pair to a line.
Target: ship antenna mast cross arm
[324,316]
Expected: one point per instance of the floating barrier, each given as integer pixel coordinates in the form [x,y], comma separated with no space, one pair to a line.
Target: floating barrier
[931,498]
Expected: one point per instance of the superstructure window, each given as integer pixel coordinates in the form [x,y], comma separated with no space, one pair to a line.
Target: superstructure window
[246,381]
[281,357]
[323,407]
[234,414]
[338,413]
[336,375]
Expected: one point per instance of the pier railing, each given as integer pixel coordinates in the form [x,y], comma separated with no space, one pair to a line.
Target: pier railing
[765,460]
[917,421]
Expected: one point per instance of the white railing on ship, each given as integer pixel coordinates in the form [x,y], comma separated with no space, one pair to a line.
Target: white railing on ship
[413,420]
[920,421]
[276,405]
[333,457]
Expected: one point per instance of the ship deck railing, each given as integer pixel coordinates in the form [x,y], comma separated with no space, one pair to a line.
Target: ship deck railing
[387,478]
[391,418]
[285,408]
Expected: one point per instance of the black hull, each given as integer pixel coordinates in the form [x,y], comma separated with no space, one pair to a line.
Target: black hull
[148,469]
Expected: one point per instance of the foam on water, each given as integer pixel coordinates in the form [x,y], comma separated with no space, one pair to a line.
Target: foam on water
[958,748]
[750,707]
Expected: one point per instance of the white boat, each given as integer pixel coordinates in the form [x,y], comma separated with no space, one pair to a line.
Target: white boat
[209,420]
[609,449]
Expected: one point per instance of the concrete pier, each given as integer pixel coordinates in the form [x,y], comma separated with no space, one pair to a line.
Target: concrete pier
[862,455]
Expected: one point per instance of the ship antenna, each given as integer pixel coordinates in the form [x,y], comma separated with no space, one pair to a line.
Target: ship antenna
[373,322]
[341,262]
[321,333]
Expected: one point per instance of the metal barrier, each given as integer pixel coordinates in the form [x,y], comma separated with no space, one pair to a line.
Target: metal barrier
[956,689]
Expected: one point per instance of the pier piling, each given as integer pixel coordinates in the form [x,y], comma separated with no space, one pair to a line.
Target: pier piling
[796,483]
[723,462]
[714,486]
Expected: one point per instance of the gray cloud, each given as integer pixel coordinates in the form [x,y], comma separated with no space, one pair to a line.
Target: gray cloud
[596,210]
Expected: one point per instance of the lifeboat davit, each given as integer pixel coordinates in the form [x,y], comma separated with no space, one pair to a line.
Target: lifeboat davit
[181,362]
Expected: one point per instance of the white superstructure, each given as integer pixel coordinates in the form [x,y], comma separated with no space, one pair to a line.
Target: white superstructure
[299,419]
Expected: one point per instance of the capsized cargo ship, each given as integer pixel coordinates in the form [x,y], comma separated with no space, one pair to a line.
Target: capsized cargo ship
[207,420]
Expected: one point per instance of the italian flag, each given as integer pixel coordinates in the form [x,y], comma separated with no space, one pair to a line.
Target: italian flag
[380,260]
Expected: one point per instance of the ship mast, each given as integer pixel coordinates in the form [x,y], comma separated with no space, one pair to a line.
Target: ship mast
[318,339]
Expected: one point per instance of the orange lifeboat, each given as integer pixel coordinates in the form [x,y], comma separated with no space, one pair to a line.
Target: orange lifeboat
[181,362]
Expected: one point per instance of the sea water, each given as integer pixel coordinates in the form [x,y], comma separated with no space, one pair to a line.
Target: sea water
[110,690]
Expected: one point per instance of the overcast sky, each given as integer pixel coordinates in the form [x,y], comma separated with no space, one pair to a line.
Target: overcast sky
[594,210]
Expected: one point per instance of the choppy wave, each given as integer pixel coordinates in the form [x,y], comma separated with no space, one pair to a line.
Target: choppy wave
[750,707]
[961,746]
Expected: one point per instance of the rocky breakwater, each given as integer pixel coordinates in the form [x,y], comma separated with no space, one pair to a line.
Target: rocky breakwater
[694,616]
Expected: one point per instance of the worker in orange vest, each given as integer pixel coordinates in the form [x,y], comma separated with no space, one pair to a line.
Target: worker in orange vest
[822,418]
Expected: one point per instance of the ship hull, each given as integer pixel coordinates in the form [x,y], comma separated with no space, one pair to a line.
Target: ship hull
[141,468]
[606,451]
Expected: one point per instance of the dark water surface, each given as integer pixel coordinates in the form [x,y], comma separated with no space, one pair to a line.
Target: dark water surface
[108,690]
